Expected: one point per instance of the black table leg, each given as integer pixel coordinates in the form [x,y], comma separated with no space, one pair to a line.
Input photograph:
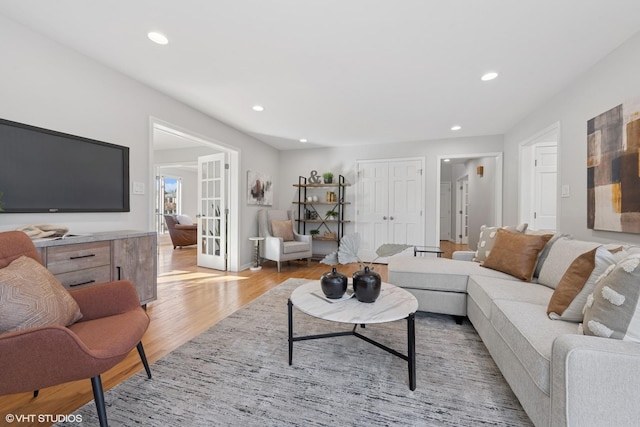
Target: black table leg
[290,306]
[411,353]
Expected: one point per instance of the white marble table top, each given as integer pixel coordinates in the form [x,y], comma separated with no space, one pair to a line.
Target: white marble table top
[394,303]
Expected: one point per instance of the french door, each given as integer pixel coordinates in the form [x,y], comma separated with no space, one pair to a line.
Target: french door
[389,204]
[212,216]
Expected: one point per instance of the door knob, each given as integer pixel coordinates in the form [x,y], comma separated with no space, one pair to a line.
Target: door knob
[384,217]
[391,218]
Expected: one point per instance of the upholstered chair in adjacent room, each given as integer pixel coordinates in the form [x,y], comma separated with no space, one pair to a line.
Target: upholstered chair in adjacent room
[181,234]
[281,241]
[43,343]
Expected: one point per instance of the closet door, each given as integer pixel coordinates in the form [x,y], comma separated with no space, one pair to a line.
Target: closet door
[372,207]
[389,204]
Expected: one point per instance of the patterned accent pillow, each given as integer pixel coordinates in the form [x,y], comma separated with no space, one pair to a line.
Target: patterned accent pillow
[516,253]
[488,237]
[30,297]
[282,229]
[613,310]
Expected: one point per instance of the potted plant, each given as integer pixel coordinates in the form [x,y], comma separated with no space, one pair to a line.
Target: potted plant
[332,215]
[328,177]
[314,233]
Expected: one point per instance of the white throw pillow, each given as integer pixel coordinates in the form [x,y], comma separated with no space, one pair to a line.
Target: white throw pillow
[184,219]
[488,237]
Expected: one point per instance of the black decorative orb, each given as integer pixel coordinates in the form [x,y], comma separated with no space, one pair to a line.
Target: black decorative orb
[367,285]
[333,284]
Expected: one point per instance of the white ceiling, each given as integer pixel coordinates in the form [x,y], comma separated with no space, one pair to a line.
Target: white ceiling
[345,72]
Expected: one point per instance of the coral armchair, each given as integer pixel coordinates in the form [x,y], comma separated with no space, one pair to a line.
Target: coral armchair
[112,324]
[281,241]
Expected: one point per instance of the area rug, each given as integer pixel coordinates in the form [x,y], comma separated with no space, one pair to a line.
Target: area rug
[237,374]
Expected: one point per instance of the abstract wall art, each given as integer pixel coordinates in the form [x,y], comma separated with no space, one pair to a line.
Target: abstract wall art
[613,173]
[259,189]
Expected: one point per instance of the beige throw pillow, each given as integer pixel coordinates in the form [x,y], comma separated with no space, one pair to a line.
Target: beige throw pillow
[30,296]
[613,310]
[563,252]
[516,253]
[488,237]
[284,229]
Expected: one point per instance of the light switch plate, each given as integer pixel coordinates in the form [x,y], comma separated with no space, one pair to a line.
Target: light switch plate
[566,190]
[138,188]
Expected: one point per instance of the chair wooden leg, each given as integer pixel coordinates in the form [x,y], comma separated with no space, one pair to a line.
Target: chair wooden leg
[278,266]
[35,393]
[143,357]
[98,397]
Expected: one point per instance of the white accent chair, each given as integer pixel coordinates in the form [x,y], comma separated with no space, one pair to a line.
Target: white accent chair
[278,248]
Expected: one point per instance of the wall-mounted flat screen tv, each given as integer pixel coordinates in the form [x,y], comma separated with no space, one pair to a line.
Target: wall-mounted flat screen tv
[46,171]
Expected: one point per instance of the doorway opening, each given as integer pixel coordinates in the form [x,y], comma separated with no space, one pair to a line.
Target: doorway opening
[173,147]
[168,200]
[476,195]
[538,195]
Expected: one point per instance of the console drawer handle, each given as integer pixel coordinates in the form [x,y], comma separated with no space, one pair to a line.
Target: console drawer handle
[82,256]
[83,283]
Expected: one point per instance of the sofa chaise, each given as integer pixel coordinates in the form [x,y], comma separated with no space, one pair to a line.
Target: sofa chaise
[531,322]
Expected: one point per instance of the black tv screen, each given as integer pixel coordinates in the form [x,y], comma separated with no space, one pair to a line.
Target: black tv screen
[46,171]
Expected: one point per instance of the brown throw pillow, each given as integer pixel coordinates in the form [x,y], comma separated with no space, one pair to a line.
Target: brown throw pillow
[516,253]
[572,282]
[30,296]
[282,229]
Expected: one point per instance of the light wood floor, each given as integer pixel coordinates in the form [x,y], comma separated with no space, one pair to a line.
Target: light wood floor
[190,300]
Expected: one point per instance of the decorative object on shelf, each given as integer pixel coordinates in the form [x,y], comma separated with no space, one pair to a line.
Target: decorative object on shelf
[314,232]
[332,215]
[334,284]
[364,279]
[315,199]
[331,197]
[259,189]
[309,199]
[330,235]
[314,178]
[328,177]
[367,285]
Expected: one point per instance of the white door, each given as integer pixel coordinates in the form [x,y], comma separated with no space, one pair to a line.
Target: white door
[372,207]
[212,218]
[462,210]
[545,188]
[389,205]
[445,211]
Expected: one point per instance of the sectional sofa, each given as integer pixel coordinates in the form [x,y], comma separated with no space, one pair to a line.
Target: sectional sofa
[531,325]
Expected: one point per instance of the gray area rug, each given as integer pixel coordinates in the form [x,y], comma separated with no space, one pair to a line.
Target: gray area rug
[237,374]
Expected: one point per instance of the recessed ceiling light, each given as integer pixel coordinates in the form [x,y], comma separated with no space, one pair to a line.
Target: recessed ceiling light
[456,127]
[489,76]
[258,108]
[303,140]
[158,37]
[447,160]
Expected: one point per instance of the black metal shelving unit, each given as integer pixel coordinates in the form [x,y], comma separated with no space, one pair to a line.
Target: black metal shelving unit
[307,209]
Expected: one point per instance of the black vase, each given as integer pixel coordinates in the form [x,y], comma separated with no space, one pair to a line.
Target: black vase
[333,284]
[367,285]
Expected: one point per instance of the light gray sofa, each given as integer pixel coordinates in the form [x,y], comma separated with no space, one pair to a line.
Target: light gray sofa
[562,378]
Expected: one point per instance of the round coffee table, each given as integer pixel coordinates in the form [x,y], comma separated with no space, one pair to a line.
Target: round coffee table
[393,304]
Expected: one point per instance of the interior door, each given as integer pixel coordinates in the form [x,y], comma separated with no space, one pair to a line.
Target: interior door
[389,205]
[545,188]
[445,211]
[462,208]
[212,218]
[372,207]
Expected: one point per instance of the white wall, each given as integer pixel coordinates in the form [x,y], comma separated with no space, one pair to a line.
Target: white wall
[608,83]
[48,85]
[482,198]
[342,160]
